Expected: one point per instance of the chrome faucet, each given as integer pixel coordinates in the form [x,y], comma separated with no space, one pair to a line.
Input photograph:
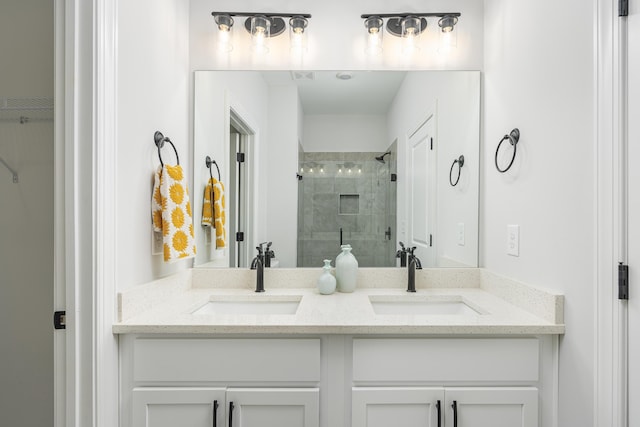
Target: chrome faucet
[258,265]
[402,254]
[414,264]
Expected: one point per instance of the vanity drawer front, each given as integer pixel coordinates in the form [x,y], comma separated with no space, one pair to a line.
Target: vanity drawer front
[229,360]
[445,359]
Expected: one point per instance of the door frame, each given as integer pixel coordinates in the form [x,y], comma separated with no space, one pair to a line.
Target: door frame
[610,370]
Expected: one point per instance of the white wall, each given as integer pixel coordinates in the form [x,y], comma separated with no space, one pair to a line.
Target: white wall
[455,100]
[282,165]
[345,133]
[153,94]
[541,81]
[26,219]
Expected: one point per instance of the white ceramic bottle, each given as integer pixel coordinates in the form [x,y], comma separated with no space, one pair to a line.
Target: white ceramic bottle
[346,270]
[326,282]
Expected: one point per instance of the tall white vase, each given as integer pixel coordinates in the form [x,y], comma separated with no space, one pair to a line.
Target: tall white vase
[346,270]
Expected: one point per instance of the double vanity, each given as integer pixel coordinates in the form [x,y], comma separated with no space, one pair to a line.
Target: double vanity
[469,348]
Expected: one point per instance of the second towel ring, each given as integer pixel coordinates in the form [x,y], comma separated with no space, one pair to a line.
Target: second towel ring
[460,162]
[513,137]
[210,162]
[160,139]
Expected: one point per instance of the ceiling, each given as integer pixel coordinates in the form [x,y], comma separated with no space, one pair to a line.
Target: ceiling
[323,92]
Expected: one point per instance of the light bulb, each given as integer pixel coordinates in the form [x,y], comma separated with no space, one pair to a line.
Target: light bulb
[225,31]
[260,28]
[297,33]
[374,35]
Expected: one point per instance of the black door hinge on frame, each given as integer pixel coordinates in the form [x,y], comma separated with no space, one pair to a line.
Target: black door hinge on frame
[623,281]
[240,157]
[60,320]
[623,7]
[240,236]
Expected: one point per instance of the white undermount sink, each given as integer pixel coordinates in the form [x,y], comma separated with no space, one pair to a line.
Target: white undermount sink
[421,305]
[255,305]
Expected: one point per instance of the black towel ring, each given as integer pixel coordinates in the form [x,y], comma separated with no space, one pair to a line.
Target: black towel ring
[209,162]
[513,137]
[460,162]
[160,139]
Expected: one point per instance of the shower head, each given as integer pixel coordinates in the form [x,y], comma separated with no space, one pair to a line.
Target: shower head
[381,157]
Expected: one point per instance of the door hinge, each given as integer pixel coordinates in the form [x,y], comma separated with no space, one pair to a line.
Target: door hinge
[394,177]
[240,236]
[430,240]
[240,157]
[623,281]
[60,320]
[623,7]
[432,143]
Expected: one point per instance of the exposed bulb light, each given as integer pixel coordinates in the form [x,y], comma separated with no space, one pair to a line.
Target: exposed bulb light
[298,33]
[411,28]
[260,33]
[448,35]
[374,26]
[225,27]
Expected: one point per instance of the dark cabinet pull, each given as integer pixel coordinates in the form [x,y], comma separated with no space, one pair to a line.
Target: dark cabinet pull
[455,413]
[230,414]
[215,413]
[439,409]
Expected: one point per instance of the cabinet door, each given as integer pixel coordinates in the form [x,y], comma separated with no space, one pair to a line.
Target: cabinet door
[397,406]
[176,406]
[491,407]
[273,407]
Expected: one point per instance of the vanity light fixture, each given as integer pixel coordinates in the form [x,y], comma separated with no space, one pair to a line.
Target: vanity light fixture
[262,27]
[409,26]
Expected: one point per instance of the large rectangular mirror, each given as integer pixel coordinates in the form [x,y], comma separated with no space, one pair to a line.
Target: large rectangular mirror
[313,159]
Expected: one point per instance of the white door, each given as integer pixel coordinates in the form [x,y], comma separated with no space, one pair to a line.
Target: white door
[491,407]
[634,211]
[397,406]
[273,407]
[422,191]
[178,406]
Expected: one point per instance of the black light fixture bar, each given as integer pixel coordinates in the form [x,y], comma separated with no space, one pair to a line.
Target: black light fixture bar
[268,15]
[416,14]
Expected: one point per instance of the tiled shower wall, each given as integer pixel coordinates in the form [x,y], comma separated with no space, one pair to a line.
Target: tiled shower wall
[365,211]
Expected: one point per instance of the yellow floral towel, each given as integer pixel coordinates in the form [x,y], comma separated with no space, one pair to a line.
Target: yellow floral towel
[218,211]
[172,213]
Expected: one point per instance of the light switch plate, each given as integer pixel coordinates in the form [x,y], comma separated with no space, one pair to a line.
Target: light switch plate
[513,240]
[461,234]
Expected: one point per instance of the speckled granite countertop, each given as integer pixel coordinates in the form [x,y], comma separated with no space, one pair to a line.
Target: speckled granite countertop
[498,306]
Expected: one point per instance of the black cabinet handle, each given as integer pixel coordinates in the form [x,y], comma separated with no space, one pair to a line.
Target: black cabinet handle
[230,414]
[455,413]
[215,413]
[439,409]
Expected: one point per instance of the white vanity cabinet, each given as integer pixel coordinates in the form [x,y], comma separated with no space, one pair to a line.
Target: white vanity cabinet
[232,407]
[337,381]
[446,406]
[397,362]
[238,382]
